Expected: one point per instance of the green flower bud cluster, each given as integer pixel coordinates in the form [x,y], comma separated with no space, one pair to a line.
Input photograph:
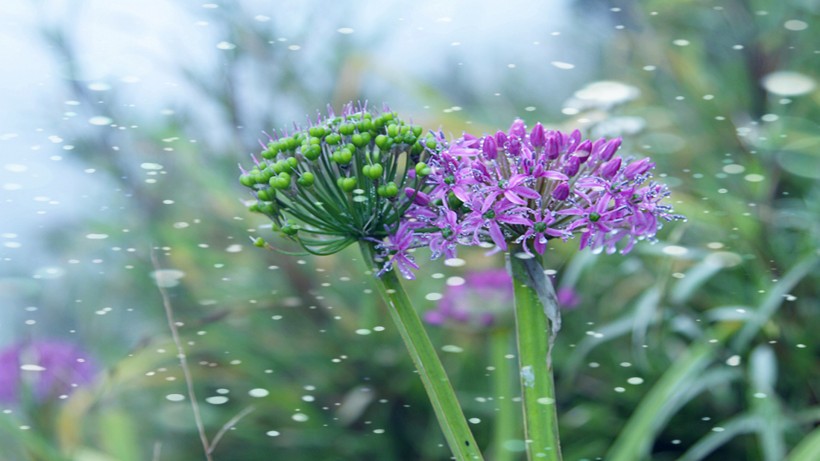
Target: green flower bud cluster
[340,180]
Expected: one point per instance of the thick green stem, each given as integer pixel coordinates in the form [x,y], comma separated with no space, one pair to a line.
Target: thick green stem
[505,440]
[439,390]
[534,334]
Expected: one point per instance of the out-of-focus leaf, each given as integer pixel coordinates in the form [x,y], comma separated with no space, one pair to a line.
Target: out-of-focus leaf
[763,375]
[635,440]
[808,449]
[773,301]
[645,315]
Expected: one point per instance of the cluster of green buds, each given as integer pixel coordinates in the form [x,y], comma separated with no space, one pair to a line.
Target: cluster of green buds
[342,179]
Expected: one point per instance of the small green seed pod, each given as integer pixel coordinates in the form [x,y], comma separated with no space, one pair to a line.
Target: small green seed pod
[358,140]
[422,169]
[264,195]
[347,129]
[333,139]
[365,125]
[345,156]
[347,184]
[246,180]
[374,171]
[312,152]
[290,229]
[306,179]
[392,189]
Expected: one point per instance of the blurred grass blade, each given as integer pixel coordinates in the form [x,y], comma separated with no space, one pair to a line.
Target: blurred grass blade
[644,316]
[695,277]
[608,332]
[30,441]
[808,449]
[635,440]
[743,424]
[772,302]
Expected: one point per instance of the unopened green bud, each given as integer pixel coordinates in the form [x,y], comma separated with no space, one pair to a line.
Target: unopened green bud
[422,169]
[317,131]
[259,242]
[290,229]
[388,190]
[416,149]
[293,142]
[278,167]
[417,130]
[306,179]
[382,141]
[409,138]
[264,195]
[291,163]
[365,125]
[342,156]
[280,181]
[254,207]
[347,129]
[393,130]
[266,208]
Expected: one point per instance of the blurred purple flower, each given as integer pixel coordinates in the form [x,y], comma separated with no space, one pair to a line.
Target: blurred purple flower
[484,300]
[46,369]
[568,298]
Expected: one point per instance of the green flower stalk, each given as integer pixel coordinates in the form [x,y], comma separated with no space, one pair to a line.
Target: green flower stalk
[351,178]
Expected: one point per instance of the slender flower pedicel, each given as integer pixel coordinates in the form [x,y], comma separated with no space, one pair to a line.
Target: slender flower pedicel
[351,178]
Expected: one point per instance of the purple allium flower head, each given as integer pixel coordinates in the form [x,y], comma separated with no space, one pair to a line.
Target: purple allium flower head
[46,369]
[484,300]
[522,188]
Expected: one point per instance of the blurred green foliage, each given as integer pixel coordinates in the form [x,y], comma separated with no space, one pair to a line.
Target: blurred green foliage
[700,347]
